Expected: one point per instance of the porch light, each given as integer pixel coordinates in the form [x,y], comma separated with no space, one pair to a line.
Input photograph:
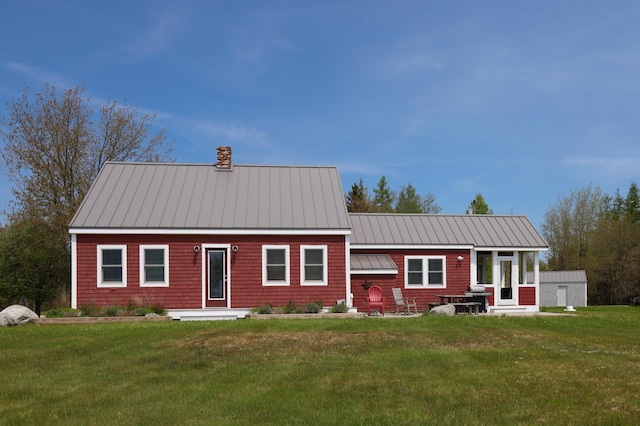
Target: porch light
[460,258]
[234,248]
[196,248]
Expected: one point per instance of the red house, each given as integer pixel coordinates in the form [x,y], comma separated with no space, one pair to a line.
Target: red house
[210,241]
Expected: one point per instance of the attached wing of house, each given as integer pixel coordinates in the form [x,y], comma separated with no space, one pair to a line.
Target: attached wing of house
[436,255]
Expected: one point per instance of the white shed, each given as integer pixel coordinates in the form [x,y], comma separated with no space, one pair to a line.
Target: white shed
[563,288]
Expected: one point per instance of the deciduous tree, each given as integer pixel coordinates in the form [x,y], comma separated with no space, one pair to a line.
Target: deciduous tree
[33,266]
[55,144]
[568,227]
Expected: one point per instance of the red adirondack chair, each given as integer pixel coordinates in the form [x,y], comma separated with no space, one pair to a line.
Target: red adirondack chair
[375,300]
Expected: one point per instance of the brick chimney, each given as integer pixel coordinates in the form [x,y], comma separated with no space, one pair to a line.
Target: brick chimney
[224,158]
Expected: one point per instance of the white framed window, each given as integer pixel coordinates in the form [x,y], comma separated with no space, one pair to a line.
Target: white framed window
[154,266]
[112,266]
[425,271]
[313,265]
[275,265]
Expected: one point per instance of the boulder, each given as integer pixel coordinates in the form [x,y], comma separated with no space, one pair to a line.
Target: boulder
[448,310]
[17,315]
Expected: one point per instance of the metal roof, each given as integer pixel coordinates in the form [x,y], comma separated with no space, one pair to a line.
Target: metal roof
[199,196]
[385,229]
[372,262]
[579,276]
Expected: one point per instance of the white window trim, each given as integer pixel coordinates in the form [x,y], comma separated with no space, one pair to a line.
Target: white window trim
[111,284]
[325,269]
[143,282]
[425,272]
[287,268]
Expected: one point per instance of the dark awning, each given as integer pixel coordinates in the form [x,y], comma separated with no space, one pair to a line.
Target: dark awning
[372,264]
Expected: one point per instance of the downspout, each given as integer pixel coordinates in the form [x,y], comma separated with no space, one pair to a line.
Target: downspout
[347,254]
[74,271]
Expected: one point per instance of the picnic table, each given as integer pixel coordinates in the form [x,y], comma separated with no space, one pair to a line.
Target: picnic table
[462,302]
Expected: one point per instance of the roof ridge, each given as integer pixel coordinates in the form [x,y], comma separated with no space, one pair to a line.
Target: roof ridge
[159,163]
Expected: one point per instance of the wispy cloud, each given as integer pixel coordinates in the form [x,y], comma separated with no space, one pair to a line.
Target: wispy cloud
[38,74]
[160,34]
[606,167]
[204,131]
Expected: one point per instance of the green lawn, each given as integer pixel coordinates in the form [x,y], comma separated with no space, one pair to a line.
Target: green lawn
[582,369]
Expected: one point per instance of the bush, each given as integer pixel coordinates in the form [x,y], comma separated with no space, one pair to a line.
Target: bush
[140,311]
[63,313]
[158,309]
[111,311]
[290,308]
[264,309]
[312,308]
[340,308]
[90,310]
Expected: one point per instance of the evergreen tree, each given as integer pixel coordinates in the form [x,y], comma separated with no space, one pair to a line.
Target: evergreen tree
[384,197]
[632,203]
[358,198]
[410,202]
[479,206]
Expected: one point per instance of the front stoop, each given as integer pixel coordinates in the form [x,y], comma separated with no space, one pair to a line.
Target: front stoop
[207,314]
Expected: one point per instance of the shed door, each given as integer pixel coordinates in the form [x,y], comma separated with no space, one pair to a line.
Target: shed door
[216,278]
[562,295]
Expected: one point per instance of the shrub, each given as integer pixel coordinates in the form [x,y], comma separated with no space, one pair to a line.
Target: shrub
[111,311]
[312,308]
[53,313]
[63,312]
[158,309]
[140,311]
[290,308]
[264,309]
[90,310]
[340,308]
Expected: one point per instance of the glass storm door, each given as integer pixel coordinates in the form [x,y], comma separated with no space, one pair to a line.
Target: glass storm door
[506,282]
[216,278]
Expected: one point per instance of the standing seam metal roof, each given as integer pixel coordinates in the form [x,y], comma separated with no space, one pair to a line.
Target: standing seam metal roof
[199,196]
[560,277]
[427,229]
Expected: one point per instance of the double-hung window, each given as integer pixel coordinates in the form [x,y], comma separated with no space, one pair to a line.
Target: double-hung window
[275,265]
[313,265]
[154,266]
[112,266]
[425,271]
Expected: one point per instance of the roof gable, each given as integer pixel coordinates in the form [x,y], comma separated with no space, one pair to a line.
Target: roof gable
[491,231]
[198,196]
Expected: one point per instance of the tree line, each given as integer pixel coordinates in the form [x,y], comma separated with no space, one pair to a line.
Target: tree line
[407,200]
[599,233]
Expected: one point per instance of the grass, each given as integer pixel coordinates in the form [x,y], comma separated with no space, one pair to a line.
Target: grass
[582,369]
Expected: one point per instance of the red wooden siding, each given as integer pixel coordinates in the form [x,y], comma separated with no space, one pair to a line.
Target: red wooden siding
[458,278]
[527,296]
[185,271]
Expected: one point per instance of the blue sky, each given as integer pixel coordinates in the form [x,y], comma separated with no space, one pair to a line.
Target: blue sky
[521,101]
